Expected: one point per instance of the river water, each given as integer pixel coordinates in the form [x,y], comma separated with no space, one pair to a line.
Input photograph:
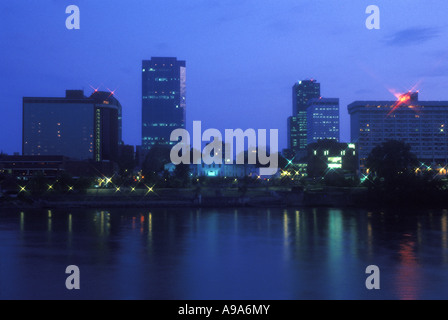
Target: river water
[223,254]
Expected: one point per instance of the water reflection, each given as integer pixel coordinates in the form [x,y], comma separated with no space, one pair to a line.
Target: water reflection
[150,230]
[408,275]
[306,253]
[444,240]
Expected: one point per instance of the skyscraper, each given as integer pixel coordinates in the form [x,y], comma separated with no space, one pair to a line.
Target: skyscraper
[75,126]
[422,124]
[163,100]
[293,136]
[302,92]
[322,119]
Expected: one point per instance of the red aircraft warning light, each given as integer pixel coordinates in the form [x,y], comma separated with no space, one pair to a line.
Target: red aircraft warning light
[404,99]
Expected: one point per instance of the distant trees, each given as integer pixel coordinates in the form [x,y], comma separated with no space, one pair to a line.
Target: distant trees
[393,180]
[391,160]
[182,174]
[154,171]
[154,164]
[126,161]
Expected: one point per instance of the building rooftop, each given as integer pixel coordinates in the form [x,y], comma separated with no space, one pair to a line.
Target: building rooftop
[406,100]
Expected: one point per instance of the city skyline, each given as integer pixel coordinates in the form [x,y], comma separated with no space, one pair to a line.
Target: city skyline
[224,149]
[251,84]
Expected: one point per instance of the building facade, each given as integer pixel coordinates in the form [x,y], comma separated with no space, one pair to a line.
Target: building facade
[293,136]
[163,100]
[302,92]
[422,124]
[326,156]
[322,119]
[75,126]
[224,170]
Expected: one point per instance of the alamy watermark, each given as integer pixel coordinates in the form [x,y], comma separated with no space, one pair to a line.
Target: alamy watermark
[373,20]
[217,153]
[73,21]
[373,280]
[73,281]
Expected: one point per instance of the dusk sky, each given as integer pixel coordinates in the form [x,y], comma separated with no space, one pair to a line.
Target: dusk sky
[243,56]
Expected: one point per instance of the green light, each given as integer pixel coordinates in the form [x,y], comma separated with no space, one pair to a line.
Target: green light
[22,189]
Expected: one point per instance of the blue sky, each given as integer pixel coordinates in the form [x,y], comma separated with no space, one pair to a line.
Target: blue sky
[243,56]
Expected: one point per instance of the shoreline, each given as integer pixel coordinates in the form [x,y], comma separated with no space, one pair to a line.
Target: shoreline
[286,200]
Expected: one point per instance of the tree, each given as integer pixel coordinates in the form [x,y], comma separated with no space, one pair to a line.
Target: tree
[38,184]
[83,183]
[182,172]
[155,161]
[126,160]
[393,181]
[391,160]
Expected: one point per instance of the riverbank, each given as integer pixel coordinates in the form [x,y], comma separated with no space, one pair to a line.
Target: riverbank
[272,197]
[209,197]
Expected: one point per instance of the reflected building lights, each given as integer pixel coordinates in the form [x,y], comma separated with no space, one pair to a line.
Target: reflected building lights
[369,235]
[70,224]
[49,225]
[22,221]
[444,227]
[70,230]
[142,221]
[297,227]
[285,228]
[287,253]
[102,223]
[408,272]
[335,239]
[149,231]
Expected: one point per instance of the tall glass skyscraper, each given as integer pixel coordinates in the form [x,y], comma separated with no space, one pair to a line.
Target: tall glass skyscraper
[302,92]
[322,119]
[163,100]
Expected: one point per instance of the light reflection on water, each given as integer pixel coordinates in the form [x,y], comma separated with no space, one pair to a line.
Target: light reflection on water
[306,253]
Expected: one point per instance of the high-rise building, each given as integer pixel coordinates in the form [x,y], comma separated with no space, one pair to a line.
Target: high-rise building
[302,92]
[163,100]
[293,135]
[75,126]
[322,119]
[422,124]
[110,99]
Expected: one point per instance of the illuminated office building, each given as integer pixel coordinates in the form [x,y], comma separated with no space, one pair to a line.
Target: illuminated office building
[75,126]
[302,92]
[322,119]
[421,124]
[163,100]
